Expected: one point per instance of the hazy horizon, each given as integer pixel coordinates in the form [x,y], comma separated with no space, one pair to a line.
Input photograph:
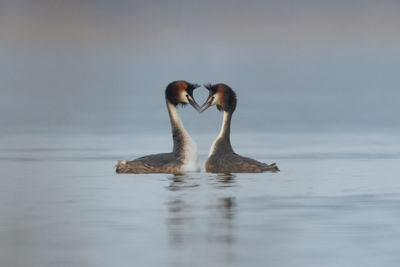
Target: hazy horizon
[304,65]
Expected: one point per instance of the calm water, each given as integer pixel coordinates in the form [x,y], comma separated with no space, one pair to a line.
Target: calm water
[335,203]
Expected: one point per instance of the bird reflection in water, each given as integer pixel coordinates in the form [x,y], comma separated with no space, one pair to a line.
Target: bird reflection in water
[181,219]
[182,182]
[209,228]
[222,180]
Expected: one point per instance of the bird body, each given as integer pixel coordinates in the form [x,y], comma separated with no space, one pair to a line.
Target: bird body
[184,156]
[234,163]
[222,158]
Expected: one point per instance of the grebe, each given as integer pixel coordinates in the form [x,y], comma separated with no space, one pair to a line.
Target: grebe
[183,158]
[222,158]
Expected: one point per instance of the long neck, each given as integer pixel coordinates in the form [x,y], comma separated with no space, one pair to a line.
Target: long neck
[179,134]
[222,144]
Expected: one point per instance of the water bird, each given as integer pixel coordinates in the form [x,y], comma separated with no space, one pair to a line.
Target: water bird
[183,157]
[222,158]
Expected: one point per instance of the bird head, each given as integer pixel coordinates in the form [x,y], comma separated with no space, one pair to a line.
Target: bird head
[220,95]
[181,92]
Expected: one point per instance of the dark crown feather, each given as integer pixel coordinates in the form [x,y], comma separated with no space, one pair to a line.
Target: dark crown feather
[211,88]
[191,87]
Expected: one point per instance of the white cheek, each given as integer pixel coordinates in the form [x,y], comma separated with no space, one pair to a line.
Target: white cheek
[184,99]
[215,101]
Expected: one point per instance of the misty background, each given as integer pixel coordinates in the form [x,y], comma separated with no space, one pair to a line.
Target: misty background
[102,66]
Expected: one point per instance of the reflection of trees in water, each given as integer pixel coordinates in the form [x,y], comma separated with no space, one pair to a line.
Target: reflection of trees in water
[192,227]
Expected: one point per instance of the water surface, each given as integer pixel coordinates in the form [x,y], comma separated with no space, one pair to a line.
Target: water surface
[335,203]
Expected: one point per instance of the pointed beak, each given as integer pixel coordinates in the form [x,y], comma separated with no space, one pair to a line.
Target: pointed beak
[195,105]
[205,106]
